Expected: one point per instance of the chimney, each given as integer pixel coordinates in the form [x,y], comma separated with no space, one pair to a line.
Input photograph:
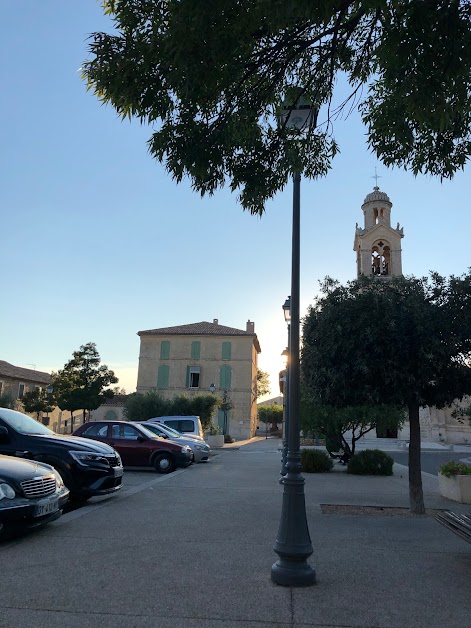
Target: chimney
[215,321]
[250,327]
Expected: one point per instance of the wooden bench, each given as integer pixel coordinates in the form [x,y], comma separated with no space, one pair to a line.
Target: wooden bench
[459,524]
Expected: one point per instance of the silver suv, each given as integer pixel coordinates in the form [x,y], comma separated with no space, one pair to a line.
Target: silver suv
[201,450]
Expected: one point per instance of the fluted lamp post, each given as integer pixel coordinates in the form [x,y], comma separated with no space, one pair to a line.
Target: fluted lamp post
[293,542]
[287,315]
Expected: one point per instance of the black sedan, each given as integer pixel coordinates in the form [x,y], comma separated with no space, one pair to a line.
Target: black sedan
[31,495]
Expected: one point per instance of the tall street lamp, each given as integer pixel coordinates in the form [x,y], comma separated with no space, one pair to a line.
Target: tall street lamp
[293,542]
[287,315]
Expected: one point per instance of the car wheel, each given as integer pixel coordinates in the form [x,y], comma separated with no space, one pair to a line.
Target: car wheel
[68,481]
[164,463]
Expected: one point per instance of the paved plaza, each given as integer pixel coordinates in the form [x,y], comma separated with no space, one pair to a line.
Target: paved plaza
[194,549]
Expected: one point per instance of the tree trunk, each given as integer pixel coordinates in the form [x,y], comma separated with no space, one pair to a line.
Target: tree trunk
[71,421]
[416,495]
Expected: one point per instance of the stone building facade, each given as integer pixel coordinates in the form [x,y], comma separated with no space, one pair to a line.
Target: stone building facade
[195,358]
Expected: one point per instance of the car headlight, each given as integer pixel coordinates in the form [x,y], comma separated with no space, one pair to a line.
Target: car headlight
[201,447]
[84,457]
[186,449]
[6,491]
[59,480]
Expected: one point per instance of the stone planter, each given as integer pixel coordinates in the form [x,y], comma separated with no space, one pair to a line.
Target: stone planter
[216,441]
[456,487]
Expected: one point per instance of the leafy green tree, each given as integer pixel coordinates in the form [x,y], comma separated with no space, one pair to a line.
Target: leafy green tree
[38,400]
[334,423]
[84,382]
[406,65]
[270,414]
[263,383]
[141,407]
[404,342]
[67,392]
[6,401]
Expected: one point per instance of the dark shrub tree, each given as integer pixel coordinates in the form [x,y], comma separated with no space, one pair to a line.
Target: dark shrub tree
[371,462]
[271,414]
[403,342]
[84,382]
[333,423]
[38,400]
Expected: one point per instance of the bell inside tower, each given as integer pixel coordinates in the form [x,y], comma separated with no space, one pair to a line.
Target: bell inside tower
[380,259]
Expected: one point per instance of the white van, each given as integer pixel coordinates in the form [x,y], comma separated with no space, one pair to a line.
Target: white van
[183,424]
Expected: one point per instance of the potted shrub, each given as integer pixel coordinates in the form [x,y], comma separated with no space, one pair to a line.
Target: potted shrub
[454,481]
[215,438]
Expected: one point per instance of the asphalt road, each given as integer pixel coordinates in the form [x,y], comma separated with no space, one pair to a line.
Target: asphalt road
[431,460]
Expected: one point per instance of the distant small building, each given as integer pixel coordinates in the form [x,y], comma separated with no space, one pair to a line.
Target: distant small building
[111,410]
[16,380]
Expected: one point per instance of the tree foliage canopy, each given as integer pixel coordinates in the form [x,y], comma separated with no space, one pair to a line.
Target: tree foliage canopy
[400,342]
[84,382]
[263,383]
[403,342]
[38,400]
[141,407]
[211,77]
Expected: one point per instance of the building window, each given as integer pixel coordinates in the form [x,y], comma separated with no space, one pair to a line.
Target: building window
[226,350]
[163,376]
[165,350]
[21,390]
[193,377]
[111,415]
[225,376]
[195,350]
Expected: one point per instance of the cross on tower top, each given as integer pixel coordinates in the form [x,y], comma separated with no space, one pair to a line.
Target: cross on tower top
[376,177]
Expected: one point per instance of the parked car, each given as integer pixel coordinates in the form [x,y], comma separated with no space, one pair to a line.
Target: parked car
[31,495]
[184,424]
[137,446]
[172,431]
[200,449]
[87,468]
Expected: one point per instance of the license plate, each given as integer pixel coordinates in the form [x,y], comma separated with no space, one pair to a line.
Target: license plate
[118,472]
[46,507]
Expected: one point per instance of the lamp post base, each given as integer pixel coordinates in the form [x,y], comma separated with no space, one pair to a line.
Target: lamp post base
[288,573]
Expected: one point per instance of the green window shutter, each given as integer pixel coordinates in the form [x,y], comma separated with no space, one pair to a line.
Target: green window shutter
[195,350]
[165,350]
[162,376]
[226,350]
[225,377]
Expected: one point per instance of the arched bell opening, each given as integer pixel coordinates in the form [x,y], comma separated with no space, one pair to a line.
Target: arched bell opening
[380,259]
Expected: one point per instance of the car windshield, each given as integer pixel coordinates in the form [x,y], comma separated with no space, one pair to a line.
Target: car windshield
[23,423]
[171,431]
[148,433]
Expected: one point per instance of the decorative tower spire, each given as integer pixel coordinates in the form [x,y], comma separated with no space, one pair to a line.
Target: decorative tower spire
[377,244]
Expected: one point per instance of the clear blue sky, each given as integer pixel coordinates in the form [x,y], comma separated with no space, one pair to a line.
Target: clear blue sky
[98,242]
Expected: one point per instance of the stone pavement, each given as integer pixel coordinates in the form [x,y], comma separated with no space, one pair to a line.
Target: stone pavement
[194,549]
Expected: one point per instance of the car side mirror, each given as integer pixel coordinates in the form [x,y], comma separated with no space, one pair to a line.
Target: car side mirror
[141,439]
[4,434]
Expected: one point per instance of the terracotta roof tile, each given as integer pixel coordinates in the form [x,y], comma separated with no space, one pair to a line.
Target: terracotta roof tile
[17,372]
[197,329]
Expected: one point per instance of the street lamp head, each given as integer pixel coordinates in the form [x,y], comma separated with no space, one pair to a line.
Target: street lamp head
[287,309]
[212,388]
[297,111]
[285,355]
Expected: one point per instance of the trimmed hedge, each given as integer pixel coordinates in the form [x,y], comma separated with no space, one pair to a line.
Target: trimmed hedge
[370,462]
[315,461]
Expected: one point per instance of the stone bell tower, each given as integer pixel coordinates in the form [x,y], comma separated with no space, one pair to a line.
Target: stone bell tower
[377,244]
